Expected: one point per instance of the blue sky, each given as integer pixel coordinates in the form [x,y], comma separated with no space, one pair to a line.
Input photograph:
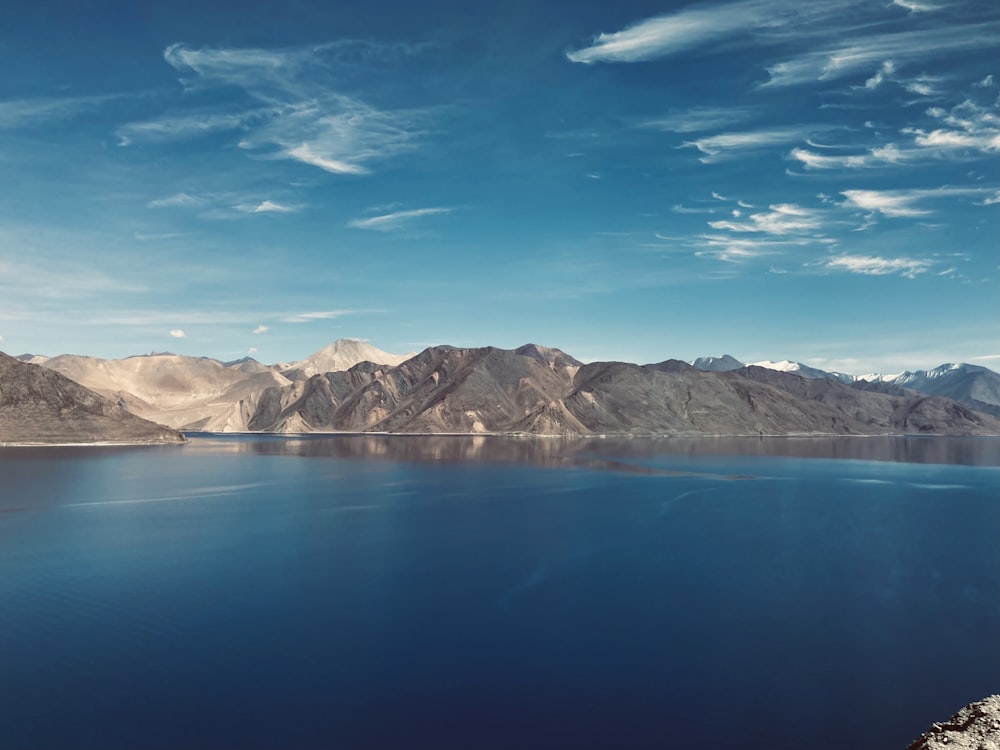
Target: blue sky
[635,181]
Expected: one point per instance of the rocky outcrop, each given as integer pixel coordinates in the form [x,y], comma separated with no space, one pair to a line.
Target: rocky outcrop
[38,405]
[975,727]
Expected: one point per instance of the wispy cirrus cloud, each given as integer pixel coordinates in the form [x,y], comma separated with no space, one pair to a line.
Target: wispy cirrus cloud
[903,203]
[285,104]
[187,126]
[780,219]
[916,6]
[698,119]
[178,200]
[717,147]
[873,265]
[868,53]
[310,317]
[397,220]
[701,26]
[18,113]
[963,132]
[734,249]
[223,205]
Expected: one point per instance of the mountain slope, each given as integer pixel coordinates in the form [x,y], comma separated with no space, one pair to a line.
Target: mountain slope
[179,391]
[899,411]
[544,391]
[38,405]
[972,385]
[725,363]
[342,355]
[442,389]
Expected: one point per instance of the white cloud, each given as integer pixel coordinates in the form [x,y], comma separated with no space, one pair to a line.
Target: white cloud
[177,333]
[663,35]
[739,249]
[986,83]
[969,126]
[252,350]
[308,317]
[679,208]
[698,118]
[714,146]
[885,72]
[813,160]
[266,207]
[16,113]
[871,265]
[887,203]
[914,6]
[701,25]
[923,85]
[307,154]
[782,218]
[396,220]
[864,52]
[292,108]
[260,329]
[900,203]
[180,200]
[186,126]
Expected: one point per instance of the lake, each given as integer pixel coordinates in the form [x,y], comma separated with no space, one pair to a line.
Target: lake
[457,592]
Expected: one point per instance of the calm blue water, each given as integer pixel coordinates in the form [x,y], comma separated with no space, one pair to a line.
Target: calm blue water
[460,593]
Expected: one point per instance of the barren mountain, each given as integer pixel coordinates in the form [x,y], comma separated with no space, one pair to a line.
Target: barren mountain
[442,389]
[182,392]
[38,405]
[342,355]
[972,385]
[899,410]
[544,391]
[532,389]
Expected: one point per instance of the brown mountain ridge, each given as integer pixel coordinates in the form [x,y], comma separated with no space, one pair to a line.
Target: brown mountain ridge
[528,390]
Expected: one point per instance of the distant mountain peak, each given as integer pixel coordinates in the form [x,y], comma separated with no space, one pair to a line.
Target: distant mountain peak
[725,363]
[343,354]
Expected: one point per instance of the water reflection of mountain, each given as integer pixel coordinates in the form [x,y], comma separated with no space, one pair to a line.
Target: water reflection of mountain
[613,453]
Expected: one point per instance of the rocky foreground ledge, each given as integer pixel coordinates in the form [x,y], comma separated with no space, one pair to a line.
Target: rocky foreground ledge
[975,727]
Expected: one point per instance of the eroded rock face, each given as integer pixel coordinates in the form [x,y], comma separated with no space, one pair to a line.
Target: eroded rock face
[975,727]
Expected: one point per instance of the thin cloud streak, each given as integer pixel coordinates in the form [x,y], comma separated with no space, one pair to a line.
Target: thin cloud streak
[19,113]
[310,317]
[698,118]
[397,220]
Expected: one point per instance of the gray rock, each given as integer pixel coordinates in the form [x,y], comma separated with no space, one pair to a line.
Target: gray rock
[975,727]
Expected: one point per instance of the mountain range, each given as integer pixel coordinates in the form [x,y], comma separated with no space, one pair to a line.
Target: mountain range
[351,386]
[975,386]
[40,406]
